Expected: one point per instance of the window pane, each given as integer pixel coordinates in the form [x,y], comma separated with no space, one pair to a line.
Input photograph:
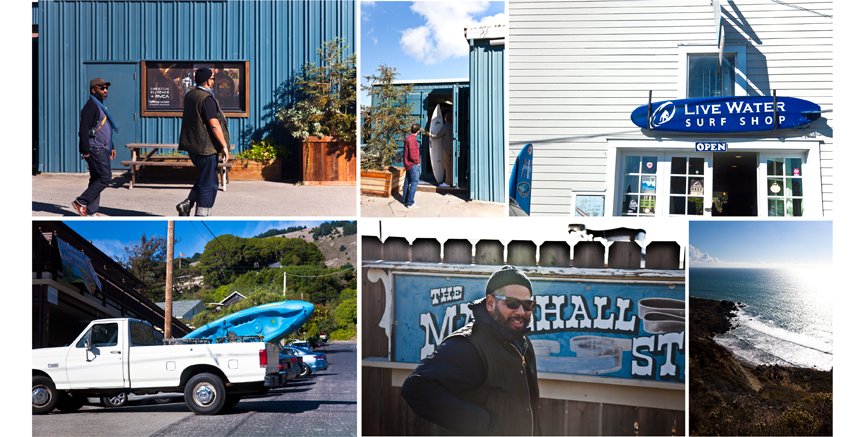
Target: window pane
[631,164]
[631,204]
[775,207]
[649,164]
[678,185]
[104,335]
[632,184]
[649,184]
[793,167]
[646,204]
[793,187]
[775,166]
[696,186]
[679,165]
[775,187]
[797,208]
[703,79]
[677,205]
[694,206]
[697,166]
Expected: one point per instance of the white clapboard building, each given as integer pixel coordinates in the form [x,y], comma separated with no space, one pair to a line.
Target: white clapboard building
[579,69]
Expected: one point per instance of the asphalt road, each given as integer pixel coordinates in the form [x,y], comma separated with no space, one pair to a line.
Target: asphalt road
[322,405]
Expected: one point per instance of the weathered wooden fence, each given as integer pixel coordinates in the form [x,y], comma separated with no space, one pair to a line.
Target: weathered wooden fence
[602,409]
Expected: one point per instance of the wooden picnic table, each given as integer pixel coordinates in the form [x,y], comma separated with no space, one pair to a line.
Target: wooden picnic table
[138,162]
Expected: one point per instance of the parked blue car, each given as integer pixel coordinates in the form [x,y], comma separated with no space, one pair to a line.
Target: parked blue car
[312,361]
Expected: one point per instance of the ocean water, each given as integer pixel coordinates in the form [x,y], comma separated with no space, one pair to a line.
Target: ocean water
[785,316]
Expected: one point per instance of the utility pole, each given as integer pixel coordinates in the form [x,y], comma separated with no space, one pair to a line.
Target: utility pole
[284,279]
[169,281]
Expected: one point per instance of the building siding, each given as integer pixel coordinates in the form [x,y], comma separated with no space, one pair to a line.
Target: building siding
[486,69]
[276,37]
[578,68]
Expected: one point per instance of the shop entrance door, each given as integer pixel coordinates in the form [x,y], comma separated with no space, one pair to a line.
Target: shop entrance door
[735,184]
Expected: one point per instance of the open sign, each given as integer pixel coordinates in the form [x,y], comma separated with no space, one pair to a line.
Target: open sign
[711,147]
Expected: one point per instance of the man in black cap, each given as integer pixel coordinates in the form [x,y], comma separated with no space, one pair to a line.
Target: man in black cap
[482,379]
[96,145]
[203,134]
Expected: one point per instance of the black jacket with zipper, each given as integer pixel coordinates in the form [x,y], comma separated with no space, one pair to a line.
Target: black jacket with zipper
[477,383]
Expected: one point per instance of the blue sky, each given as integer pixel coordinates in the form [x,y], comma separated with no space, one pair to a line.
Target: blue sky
[112,236]
[768,244]
[423,40]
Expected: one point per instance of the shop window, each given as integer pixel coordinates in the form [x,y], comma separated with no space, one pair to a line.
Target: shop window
[785,187]
[705,79]
[164,85]
[701,75]
[640,186]
[687,186]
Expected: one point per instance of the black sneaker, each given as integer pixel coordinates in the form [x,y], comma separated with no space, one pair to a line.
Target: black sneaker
[185,207]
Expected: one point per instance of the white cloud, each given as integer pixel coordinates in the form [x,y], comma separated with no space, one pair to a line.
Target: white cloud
[697,257]
[442,36]
[364,15]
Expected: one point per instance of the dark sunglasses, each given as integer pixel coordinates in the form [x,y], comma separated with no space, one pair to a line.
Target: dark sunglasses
[513,303]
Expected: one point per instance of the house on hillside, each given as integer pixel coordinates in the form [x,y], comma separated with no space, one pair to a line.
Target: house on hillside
[230,300]
[184,309]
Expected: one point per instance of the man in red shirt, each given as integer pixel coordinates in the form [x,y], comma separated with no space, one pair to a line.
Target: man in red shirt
[411,157]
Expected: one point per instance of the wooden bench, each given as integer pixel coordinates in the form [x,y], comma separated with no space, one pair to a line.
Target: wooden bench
[138,162]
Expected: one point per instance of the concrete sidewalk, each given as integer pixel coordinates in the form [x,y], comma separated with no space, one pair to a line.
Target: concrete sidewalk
[431,205]
[53,194]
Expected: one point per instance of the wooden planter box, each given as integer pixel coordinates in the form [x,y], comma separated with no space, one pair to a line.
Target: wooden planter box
[249,170]
[382,183]
[328,161]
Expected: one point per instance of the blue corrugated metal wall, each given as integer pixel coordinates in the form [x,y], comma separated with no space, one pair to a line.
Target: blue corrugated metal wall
[276,37]
[486,73]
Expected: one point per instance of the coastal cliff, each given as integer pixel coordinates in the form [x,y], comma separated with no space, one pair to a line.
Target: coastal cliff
[728,398]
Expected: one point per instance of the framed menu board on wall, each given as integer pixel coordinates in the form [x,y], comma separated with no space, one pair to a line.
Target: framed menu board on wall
[164,85]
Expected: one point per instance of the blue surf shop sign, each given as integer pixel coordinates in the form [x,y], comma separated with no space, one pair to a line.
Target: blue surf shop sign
[726,114]
[621,330]
[520,178]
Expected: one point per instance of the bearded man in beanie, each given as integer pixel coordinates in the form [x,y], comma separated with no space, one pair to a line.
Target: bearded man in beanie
[482,379]
[203,134]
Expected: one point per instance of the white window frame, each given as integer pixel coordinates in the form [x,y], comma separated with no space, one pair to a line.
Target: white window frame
[739,51]
[808,150]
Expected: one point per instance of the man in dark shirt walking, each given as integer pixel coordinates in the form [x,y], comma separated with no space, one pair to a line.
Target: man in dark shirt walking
[411,159]
[482,379]
[96,145]
[203,134]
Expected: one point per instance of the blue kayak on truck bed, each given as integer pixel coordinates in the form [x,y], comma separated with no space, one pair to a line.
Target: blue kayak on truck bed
[272,321]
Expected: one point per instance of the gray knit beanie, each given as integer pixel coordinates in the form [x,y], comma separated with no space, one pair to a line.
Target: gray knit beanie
[508,275]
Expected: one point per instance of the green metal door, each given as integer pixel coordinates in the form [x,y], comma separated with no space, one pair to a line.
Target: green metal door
[455,170]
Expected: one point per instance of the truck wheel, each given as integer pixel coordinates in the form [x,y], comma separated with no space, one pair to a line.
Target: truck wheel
[305,370]
[118,400]
[45,395]
[70,404]
[230,401]
[205,394]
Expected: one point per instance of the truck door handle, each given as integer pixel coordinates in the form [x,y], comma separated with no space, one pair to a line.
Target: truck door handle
[116,352]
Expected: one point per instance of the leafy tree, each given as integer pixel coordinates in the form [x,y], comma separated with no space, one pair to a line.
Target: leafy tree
[145,259]
[386,124]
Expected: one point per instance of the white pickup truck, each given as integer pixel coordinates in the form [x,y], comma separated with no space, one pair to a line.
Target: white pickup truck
[115,356]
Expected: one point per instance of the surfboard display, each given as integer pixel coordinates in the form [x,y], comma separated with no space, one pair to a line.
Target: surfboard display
[727,114]
[520,179]
[436,145]
[273,321]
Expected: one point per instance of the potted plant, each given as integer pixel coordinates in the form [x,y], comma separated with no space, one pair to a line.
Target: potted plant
[260,162]
[325,119]
[385,126]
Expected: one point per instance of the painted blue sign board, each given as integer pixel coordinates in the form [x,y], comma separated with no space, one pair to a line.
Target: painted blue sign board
[633,331]
[726,114]
[520,178]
